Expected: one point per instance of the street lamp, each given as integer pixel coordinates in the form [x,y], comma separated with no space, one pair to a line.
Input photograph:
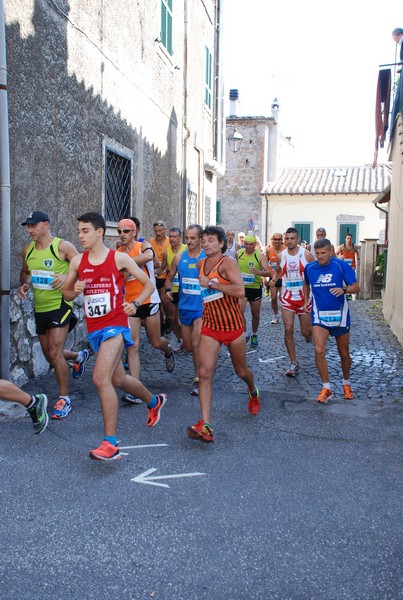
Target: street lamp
[234,140]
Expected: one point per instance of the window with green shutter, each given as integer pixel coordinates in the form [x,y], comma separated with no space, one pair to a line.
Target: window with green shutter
[166,25]
[208,79]
[304,231]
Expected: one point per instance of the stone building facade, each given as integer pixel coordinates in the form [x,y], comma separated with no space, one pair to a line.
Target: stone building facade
[113,107]
[250,169]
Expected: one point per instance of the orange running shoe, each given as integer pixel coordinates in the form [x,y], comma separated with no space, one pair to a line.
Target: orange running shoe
[106,451]
[324,396]
[201,431]
[155,413]
[348,394]
[254,402]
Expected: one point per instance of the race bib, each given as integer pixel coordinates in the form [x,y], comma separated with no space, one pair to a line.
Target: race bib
[209,295]
[191,285]
[41,280]
[330,318]
[293,284]
[97,305]
[175,282]
[248,278]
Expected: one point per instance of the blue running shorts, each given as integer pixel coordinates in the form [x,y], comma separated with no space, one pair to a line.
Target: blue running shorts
[97,337]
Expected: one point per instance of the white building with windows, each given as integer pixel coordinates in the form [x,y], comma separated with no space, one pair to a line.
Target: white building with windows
[340,199]
[116,108]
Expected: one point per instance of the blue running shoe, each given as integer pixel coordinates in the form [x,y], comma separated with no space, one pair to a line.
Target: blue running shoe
[61,409]
[253,341]
[79,368]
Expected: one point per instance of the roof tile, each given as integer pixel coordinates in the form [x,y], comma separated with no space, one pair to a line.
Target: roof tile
[330,180]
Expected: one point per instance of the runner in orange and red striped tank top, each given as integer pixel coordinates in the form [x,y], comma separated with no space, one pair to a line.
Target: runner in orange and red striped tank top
[221,287]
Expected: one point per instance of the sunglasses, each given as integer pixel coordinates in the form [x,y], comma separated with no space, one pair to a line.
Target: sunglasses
[124,231]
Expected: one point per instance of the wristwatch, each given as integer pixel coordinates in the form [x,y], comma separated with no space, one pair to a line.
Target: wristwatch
[210,284]
[136,304]
[344,288]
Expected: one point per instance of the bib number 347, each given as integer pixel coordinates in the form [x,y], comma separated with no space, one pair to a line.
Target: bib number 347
[97,305]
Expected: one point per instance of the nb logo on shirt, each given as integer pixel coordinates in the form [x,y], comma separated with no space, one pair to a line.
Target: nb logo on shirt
[325,278]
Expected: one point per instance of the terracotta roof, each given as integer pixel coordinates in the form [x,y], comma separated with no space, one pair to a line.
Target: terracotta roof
[330,180]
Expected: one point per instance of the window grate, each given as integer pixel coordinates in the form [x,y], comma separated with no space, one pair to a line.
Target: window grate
[117,186]
[191,209]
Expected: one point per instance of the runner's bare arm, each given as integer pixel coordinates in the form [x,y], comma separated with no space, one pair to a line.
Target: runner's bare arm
[309,257]
[229,270]
[146,255]
[164,263]
[171,275]
[125,262]
[72,287]
[66,250]
[307,292]
[266,270]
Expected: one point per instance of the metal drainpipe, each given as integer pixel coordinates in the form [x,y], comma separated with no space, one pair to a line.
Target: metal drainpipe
[185,115]
[5,205]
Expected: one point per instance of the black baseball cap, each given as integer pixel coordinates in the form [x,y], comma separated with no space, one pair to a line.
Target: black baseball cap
[36,217]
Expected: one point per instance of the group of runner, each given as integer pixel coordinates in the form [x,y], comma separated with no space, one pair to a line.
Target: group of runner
[199,290]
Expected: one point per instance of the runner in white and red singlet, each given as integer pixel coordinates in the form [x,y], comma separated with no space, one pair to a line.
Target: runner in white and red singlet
[290,266]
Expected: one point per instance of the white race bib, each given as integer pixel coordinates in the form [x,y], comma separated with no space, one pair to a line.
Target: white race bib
[293,284]
[191,285]
[248,278]
[209,295]
[330,318]
[41,280]
[97,305]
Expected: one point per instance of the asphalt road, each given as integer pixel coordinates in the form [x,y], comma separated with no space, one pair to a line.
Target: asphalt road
[302,502]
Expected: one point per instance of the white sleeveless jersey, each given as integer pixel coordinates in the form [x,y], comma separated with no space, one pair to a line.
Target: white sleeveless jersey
[292,269]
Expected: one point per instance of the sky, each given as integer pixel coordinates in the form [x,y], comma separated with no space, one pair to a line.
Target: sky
[321,60]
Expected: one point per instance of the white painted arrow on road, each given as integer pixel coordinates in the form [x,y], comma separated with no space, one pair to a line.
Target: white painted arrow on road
[267,360]
[143,477]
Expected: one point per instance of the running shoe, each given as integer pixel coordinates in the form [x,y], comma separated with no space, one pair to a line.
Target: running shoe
[324,396]
[348,394]
[61,409]
[266,292]
[201,431]
[154,413]
[79,368]
[253,341]
[179,348]
[293,370]
[170,360]
[39,414]
[195,387]
[106,451]
[129,399]
[275,320]
[254,402]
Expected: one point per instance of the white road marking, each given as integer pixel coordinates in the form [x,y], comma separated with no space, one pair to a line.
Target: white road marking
[266,360]
[142,446]
[142,478]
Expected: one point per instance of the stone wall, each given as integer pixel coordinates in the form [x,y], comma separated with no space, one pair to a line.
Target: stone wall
[26,357]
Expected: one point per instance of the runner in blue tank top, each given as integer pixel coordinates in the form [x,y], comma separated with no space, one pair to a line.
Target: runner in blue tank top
[190,304]
[330,279]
